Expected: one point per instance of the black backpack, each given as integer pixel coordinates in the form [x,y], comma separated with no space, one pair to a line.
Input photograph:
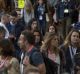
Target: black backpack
[51,67]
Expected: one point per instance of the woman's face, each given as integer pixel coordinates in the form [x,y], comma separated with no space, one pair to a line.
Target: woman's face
[52,29]
[37,37]
[55,41]
[34,25]
[75,37]
[40,1]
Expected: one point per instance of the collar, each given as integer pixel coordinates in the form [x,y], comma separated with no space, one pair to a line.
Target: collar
[73,49]
[30,48]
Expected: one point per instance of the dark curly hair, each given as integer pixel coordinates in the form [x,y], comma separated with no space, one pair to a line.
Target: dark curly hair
[6,47]
[29,37]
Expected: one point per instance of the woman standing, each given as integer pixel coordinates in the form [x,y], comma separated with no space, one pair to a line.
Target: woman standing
[27,12]
[40,10]
[51,50]
[71,46]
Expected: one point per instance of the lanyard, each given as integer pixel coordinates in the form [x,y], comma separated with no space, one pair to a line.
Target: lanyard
[72,58]
[72,53]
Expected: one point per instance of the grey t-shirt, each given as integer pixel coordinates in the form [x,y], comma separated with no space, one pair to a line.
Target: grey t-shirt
[35,57]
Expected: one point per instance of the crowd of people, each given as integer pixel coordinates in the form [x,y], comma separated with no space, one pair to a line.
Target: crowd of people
[33,43]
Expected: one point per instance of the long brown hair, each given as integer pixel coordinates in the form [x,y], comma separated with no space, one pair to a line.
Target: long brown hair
[67,40]
[47,43]
[28,6]
[7,48]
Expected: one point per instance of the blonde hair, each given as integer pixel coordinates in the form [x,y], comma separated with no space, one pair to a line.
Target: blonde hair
[47,43]
[67,40]
[28,6]
[31,69]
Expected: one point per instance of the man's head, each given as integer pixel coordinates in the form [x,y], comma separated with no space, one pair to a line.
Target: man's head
[14,17]
[5,19]
[26,38]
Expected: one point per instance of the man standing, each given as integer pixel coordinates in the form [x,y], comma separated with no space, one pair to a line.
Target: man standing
[17,24]
[15,28]
[3,23]
[26,42]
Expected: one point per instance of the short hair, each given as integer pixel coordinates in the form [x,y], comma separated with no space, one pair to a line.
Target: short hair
[31,69]
[2,30]
[4,15]
[31,21]
[7,47]
[29,37]
[14,13]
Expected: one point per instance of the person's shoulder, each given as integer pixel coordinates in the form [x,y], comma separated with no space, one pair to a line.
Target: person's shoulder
[15,60]
[35,49]
[1,24]
[36,53]
[36,58]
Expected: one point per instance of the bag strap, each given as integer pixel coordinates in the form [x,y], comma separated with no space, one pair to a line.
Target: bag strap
[72,58]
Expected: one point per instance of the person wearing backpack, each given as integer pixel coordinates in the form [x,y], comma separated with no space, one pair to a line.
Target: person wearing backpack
[26,42]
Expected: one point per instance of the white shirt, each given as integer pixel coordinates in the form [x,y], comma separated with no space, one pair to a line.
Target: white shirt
[21,63]
[7,32]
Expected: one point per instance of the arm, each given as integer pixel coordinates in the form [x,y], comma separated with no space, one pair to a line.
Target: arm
[39,62]
[15,69]
[42,68]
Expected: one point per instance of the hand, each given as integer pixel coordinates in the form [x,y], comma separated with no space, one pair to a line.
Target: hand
[26,60]
[7,64]
[1,64]
[12,36]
